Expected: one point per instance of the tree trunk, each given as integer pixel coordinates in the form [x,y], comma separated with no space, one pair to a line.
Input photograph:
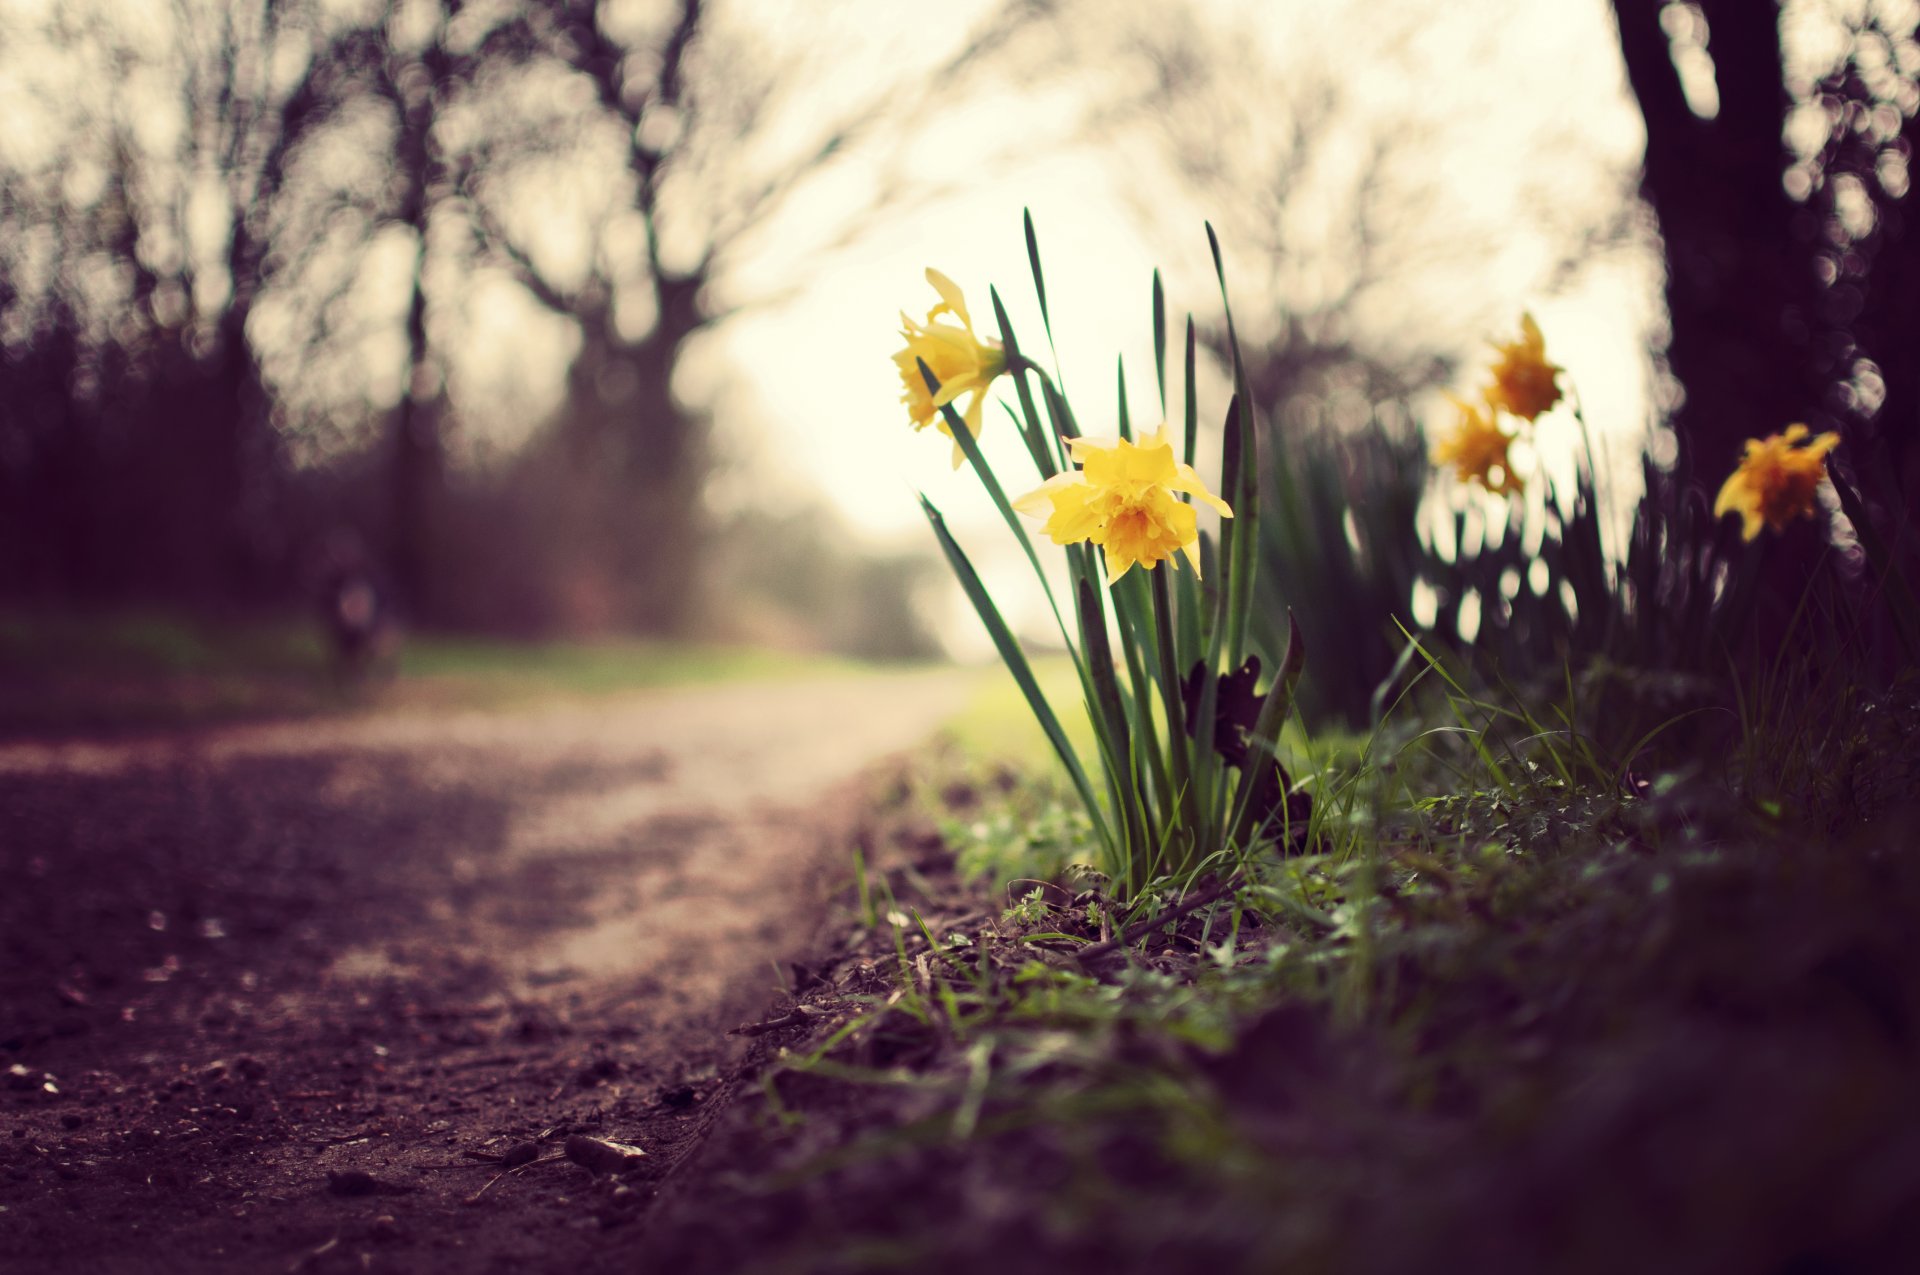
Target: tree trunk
[418,461]
[1739,286]
[1742,296]
[636,460]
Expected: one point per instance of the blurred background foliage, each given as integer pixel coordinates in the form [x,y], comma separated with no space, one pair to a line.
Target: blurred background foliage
[250,249]
[277,276]
[1787,272]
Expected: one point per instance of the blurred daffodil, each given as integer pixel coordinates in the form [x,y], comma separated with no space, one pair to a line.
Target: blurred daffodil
[959,360]
[1775,480]
[1476,447]
[1124,498]
[1523,380]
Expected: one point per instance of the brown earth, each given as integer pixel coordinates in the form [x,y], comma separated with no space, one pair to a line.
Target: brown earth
[280,997]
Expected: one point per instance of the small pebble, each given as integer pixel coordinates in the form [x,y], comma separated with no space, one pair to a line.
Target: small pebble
[360,1182]
[602,1155]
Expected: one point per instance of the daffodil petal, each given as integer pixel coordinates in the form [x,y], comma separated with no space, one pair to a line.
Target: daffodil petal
[950,296]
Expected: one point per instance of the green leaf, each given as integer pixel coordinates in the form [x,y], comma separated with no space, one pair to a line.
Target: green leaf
[971,447]
[1039,279]
[1241,546]
[1232,532]
[1893,582]
[1030,428]
[1160,340]
[1117,739]
[1060,416]
[1180,749]
[1132,613]
[1193,402]
[1126,421]
[1016,661]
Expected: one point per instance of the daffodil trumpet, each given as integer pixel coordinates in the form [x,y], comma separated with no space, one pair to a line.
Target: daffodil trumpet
[1125,498]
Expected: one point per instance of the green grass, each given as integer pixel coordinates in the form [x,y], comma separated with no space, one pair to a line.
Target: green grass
[997,725]
[1509,977]
[488,669]
[63,673]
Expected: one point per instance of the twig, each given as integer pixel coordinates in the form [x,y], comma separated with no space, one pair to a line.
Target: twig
[515,1172]
[343,1139]
[516,1074]
[1133,932]
[793,1018]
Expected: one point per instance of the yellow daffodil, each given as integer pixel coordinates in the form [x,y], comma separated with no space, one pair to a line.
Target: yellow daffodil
[959,360]
[1523,380]
[1477,449]
[1775,480]
[1123,498]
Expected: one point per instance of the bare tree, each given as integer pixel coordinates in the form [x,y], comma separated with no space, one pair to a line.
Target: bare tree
[716,133]
[155,273]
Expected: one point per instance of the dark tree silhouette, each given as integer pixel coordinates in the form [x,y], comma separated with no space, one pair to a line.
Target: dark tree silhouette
[416,77]
[689,99]
[1790,250]
[144,454]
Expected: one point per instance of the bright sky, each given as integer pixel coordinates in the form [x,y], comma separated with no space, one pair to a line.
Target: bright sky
[807,396]
[1532,130]
[1526,135]
[810,386]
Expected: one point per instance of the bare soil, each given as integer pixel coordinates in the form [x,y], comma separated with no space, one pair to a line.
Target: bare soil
[294,996]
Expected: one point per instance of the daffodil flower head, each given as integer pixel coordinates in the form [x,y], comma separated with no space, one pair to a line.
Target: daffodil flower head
[1523,381]
[1775,480]
[1125,498]
[960,361]
[1476,447]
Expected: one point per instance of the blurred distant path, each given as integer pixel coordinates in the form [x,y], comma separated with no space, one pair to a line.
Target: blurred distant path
[255,955]
[725,773]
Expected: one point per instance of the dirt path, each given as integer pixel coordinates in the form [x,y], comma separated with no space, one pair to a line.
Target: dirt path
[264,989]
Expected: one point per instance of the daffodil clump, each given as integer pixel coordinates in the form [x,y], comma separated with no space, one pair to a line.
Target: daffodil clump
[1776,480]
[1186,778]
[1524,385]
